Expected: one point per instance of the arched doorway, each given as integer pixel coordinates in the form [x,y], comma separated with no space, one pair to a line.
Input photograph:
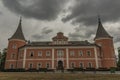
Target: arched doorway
[60,65]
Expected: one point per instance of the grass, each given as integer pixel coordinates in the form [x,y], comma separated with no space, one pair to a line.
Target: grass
[56,76]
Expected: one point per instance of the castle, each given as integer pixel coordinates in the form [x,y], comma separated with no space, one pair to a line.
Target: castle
[60,52]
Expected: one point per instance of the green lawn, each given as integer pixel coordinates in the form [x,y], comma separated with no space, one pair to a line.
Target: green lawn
[56,76]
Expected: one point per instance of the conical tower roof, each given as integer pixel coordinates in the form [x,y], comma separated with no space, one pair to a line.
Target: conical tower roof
[101,32]
[19,33]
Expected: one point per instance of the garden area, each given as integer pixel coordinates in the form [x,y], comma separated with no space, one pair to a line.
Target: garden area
[56,76]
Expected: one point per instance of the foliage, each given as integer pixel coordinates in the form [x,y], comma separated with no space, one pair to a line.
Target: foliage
[3,56]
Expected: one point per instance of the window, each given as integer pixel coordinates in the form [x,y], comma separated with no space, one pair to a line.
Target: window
[72,65]
[48,53]
[81,65]
[11,66]
[30,65]
[39,65]
[31,54]
[14,46]
[13,56]
[40,53]
[71,53]
[89,53]
[90,65]
[60,53]
[80,53]
[47,65]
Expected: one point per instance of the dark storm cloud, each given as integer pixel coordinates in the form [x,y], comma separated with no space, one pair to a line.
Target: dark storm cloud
[86,11]
[45,30]
[0,12]
[82,33]
[39,9]
[44,33]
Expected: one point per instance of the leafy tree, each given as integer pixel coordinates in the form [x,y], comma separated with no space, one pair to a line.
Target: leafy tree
[0,59]
[118,63]
[3,57]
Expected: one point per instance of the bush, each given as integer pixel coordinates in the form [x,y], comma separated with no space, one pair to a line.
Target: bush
[78,69]
[14,70]
[71,70]
[90,69]
[112,69]
[42,69]
[32,70]
[103,69]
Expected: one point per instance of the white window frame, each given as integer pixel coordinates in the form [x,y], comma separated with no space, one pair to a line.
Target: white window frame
[60,53]
[30,65]
[11,66]
[31,53]
[47,53]
[72,53]
[12,56]
[40,53]
[80,64]
[39,66]
[71,65]
[47,65]
[89,53]
[14,46]
[80,53]
[90,63]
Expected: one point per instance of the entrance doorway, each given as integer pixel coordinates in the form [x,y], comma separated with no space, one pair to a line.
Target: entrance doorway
[60,65]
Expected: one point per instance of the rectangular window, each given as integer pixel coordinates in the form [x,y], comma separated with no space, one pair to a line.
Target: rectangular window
[31,54]
[81,65]
[40,53]
[47,65]
[30,65]
[89,53]
[39,65]
[11,66]
[14,46]
[90,65]
[80,53]
[71,53]
[72,65]
[60,53]
[47,53]
[13,56]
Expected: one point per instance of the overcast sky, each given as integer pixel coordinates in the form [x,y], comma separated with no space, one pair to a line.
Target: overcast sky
[42,19]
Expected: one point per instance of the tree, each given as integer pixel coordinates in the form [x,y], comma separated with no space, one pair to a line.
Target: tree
[0,59]
[3,57]
[118,63]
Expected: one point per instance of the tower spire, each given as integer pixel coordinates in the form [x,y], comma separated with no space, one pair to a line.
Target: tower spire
[101,32]
[19,33]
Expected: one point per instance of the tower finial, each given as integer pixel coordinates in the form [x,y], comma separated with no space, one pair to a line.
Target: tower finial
[20,19]
[99,20]
[18,34]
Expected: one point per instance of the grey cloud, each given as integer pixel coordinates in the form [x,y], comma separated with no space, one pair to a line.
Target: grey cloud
[0,12]
[82,33]
[86,11]
[38,9]
[117,39]
[43,35]
[45,30]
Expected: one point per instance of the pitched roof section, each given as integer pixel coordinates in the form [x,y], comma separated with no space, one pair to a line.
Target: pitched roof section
[70,43]
[18,34]
[101,32]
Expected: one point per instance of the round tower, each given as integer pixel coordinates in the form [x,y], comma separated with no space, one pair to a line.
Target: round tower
[14,43]
[105,41]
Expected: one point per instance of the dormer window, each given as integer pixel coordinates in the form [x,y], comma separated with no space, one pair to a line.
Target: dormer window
[60,39]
